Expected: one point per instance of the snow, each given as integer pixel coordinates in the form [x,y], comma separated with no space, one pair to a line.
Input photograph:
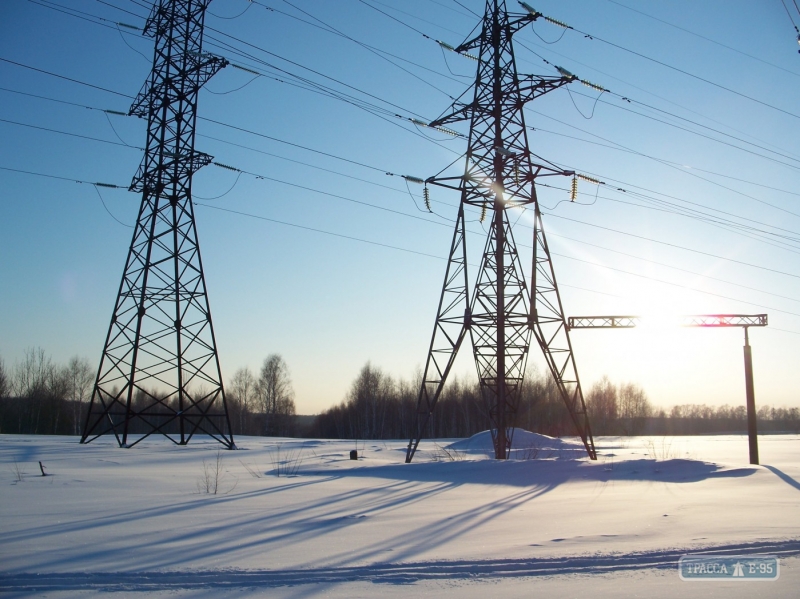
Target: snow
[454,523]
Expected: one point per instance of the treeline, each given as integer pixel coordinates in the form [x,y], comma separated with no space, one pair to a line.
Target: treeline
[38,396]
[380,407]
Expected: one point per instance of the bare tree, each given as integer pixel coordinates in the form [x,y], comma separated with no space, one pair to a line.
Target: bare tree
[31,376]
[4,382]
[634,408]
[276,396]
[243,393]
[79,378]
[602,406]
[368,400]
[29,381]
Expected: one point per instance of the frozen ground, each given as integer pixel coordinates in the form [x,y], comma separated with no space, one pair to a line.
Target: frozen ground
[452,524]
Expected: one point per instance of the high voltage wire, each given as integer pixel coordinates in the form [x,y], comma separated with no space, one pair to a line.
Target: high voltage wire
[622,148]
[95,86]
[699,217]
[268,137]
[70,179]
[377,111]
[675,245]
[665,122]
[708,39]
[634,101]
[122,9]
[308,84]
[389,246]
[265,51]
[19,64]
[655,279]
[324,232]
[366,106]
[678,268]
[687,287]
[374,168]
[382,170]
[329,91]
[49,130]
[684,72]
[364,240]
[629,100]
[258,176]
[327,27]
[652,118]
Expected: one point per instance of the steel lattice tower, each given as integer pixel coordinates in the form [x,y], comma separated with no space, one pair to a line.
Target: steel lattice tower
[160,371]
[502,312]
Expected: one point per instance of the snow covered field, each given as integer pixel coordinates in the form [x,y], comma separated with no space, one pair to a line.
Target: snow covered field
[294,518]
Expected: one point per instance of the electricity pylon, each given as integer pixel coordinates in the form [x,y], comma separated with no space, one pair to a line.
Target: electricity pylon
[502,312]
[160,372]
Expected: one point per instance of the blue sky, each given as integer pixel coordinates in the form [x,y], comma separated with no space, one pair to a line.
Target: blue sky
[329,303]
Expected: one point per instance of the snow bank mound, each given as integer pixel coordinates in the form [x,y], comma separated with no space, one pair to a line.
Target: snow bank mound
[525,445]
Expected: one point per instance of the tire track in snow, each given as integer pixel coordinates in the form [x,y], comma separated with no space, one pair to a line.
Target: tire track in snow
[387,573]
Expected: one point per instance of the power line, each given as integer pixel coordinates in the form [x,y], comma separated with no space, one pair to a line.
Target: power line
[107,185]
[361,240]
[678,268]
[322,231]
[368,107]
[381,170]
[687,73]
[269,137]
[742,229]
[674,245]
[272,138]
[24,66]
[326,90]
[265,51]
[630,100]
[791,18]
[327,27]
[687,287]
[72,180]
[327,193]
[708,39]
[622,148]
[105,141]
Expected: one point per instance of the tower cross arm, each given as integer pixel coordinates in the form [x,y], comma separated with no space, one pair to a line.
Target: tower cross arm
[534,86]
[530,88]
[461,112]
[514,24]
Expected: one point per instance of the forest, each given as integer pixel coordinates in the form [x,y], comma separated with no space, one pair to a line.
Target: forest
[38,396]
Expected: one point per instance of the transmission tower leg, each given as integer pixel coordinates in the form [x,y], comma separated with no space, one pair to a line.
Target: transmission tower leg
[500,332]
[550,329]
[452,320]
[160,371]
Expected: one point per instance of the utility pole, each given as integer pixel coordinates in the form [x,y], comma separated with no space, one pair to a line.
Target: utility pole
[502,311]
[744,321]
[160,372]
